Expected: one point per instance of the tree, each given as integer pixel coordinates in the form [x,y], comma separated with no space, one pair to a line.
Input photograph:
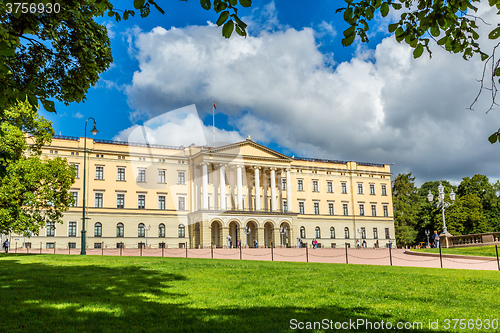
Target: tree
[466,216]
[406,202]
[33,191]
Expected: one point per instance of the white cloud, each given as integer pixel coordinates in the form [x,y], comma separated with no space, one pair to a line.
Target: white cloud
[382,106]
[78,115]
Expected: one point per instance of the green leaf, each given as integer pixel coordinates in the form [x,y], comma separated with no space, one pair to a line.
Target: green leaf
[418,51]
[435,31]
[497,71]
[222,18]
[138,4]
[125,15]
[393,27]
[220,7]
[493,138]
[442,41]
[348,40]
[233,2]
[384,9]
[494,34]
[245,3]
[240,31]
[158,8]
[48,105]
[349,31]
[206,4]
[227,29]
[348,14]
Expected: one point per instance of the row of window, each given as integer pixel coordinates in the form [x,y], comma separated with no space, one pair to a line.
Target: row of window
[329,187]
[120,230]
[345,209]
[141,201]
[347,235]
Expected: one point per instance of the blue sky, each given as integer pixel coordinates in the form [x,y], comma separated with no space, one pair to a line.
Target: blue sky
[293,87]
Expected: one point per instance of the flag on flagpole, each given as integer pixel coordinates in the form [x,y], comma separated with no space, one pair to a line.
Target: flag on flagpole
[213,100]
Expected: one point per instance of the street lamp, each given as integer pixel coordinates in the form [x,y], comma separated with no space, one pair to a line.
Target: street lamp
[427,233]
[149,228]
[441,203]
[284,235]
[247,231]
[94,132]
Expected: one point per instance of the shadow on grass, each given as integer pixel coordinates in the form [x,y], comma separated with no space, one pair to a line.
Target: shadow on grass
[93,298]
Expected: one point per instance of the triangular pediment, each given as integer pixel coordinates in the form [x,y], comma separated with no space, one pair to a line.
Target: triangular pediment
[248,150]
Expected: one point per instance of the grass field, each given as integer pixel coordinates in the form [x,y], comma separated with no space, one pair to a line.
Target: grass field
[62,293]
[485,251]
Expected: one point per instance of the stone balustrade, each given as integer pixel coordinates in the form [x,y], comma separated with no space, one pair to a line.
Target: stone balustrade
[470,240]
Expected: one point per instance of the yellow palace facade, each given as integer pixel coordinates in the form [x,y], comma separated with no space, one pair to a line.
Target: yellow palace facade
[159,196]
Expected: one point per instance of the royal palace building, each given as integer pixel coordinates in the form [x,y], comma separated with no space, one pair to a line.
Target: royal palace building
[160,196]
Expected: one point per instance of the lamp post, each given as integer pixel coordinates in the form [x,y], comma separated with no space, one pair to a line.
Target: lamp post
[284,235]
[94,132]
[427,233]
[441,203]
[247,231]
[149,228]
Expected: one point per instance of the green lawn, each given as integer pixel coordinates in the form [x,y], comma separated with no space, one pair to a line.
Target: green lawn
[62,293]
[485,251]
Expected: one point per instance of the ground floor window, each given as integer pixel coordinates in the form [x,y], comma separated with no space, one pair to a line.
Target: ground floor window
[72,245]
[50,245]
[161,245]
[119,245]
[97,245]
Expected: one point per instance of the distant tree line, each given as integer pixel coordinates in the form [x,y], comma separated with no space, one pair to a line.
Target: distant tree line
[476,208]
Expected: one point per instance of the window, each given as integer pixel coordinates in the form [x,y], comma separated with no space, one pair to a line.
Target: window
[363,232]
[181,177]
[161,177]
[119,245]
[119,230]
[50,229]
[345,209]
[72,229]
[49,245]
[72,245]
[315,186]
[386,210]
[285,206]
[372,189]
[141,201]
[182,231]
[330,209]
[283,184]
[300,185]
[332,232]
[360,188]
[120,200]
[74,195]
[120,174]
[98,199]
[97,245]
[316,208]
[384,189]
[301,207]
[374,210]
[141,230]
[161,202]
[182,203]
[76,167]
[302,232]
[99,173]
[98,229]
[329,187]
[161,245]
[161,230]
[387,234]
[346,233]
[141,177]
[375,233]
[343,188]
[317,232]
[361,209]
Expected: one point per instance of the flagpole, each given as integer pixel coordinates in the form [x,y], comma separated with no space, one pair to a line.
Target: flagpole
[213,122]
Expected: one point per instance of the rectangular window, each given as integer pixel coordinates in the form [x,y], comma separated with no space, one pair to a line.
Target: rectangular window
[141,177]
[301,207]
[343,187]
[372,189]
[50,245]
[161,202]
[360,188]
[374,210]
[361,209]
[375,233]
[181,177]
[363,232]
[384,189]
[182,203]
[283,184]
[141,201]
[98,200]
[97,245]
[285,206]
[72,245]
[315,186]
[316,208]
[50,229]
[99,173]
[120,200]
[387,234]
[386,210]
[74,195]
[329,187]
[161,177]
[330,208]
[345,209]
[120,174]
[300,185]
[76,166]
[72,229]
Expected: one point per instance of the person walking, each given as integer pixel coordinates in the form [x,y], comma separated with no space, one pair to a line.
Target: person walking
[435,239]
[6,245]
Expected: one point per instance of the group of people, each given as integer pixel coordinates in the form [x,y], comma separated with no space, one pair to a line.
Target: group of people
[364,243]
[300,243]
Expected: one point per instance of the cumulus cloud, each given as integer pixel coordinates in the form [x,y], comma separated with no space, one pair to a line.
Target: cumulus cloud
[381,106]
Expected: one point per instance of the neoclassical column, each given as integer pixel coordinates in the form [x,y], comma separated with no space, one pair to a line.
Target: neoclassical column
[273,189]
[239,186]
[257,187]
[222,185]
[204,184]
[289,191]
